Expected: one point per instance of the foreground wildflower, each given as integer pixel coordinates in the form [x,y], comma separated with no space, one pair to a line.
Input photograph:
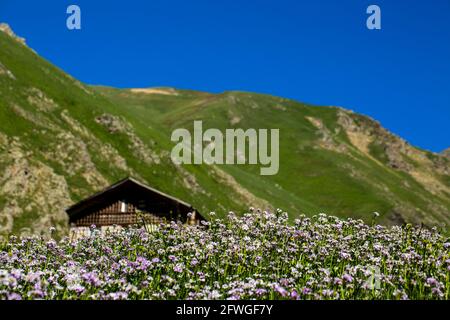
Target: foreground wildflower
[257,256]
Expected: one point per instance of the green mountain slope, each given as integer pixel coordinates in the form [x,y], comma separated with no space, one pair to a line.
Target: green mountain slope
[61,140]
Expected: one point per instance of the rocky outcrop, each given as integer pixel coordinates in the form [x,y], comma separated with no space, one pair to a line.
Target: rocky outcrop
[38,99]
[162,91]
[327,138]
[242,194]
[446,153]
[115,125]
[5,72]
[364,132]
[4,27]
[21,177]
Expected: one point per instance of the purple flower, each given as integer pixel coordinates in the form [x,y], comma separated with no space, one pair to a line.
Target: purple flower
[194,262]
[79,289]
[115,266]
[178,268]
[33,276]
[347,278]
[155,260]
[260,291]
[36,293]
[16,273]
[118,295]
[344,255]
[142,263]
[437,292]
[284,282]
[306,291]
[282,291]
[327,292]
[432,282]
[14,296]
[92,279]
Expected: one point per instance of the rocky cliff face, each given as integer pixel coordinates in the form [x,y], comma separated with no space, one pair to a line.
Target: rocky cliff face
[368,135]
[5,28]
[446,153]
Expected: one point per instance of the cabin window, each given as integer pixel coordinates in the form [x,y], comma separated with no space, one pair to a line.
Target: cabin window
[123,206]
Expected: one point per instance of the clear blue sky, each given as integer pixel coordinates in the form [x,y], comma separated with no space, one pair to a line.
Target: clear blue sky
[314,51]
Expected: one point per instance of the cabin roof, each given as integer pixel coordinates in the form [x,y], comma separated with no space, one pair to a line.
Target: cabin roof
[114,187]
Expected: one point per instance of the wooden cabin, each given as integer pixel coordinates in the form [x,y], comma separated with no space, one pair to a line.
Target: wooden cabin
[126,203]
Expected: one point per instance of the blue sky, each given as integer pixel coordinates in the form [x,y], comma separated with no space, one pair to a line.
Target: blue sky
[314,51]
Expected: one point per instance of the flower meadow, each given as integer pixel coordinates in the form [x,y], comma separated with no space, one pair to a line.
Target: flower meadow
[259,255]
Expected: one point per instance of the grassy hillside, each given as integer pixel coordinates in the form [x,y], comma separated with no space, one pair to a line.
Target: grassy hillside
[61,140]
[332,160]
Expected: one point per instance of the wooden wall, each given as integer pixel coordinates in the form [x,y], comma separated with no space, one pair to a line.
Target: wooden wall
[111,214]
